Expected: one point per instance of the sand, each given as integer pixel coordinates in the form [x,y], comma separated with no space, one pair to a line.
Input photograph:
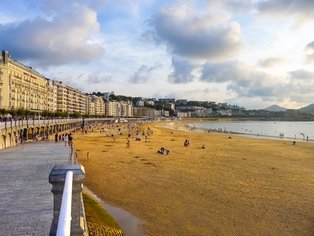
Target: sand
[235,186]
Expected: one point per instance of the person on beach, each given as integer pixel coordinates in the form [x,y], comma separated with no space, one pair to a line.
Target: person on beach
[128,143]
[163,151]
[186,143]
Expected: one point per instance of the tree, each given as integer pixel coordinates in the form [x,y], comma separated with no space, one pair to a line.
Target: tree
[3,111]
[75,115]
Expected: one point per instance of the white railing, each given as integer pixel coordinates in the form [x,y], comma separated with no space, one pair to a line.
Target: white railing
[64,223]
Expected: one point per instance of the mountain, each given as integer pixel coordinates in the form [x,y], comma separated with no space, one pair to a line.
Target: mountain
[275,108]
[307,109]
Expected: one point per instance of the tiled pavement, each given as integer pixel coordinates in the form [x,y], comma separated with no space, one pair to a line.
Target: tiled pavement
[26,201]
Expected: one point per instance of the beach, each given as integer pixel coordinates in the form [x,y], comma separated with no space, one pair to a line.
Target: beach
[233,186]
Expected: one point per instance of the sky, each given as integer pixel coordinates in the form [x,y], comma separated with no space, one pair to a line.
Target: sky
[251,53]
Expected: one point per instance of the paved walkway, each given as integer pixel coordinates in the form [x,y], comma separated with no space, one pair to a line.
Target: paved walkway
[26,201]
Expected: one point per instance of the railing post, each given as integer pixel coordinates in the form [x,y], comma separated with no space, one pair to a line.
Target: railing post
[57,179]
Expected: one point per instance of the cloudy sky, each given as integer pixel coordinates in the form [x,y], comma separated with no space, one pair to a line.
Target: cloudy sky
[249,53]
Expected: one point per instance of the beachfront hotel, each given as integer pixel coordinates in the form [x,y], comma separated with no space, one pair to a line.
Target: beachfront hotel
[23,87]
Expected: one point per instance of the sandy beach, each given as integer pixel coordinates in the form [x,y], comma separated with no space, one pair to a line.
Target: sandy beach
[235,186]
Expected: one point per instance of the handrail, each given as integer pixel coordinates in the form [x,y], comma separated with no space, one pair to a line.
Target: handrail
[64,222]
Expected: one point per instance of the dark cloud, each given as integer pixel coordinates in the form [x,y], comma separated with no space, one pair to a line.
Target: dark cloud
[65,38]
[309,52]
[269,62]
[183,71]
[196,34]
[143,73]
[302,74]
[302,9]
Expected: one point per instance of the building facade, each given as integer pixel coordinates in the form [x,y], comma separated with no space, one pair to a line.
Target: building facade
[95,105]
[23,87]
[119,109]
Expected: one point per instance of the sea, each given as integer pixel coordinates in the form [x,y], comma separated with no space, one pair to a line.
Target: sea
[298,130]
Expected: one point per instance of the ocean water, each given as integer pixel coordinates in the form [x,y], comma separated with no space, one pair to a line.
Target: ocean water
[277,129]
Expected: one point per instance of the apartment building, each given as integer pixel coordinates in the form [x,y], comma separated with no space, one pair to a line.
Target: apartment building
[119,109]
[76,100]
[95,105]
[113,108]
[126,109]
[99,105]
[21,86]
[51,96]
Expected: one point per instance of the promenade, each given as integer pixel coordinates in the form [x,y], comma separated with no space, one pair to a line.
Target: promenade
[26,201]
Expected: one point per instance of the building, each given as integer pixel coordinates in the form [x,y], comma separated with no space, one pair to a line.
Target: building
[143,112]
[126,109]
[21,86]
[119,109]
[52,96]
[182,114]
[140,103]
[112,108]
[150,102]
[170,106]
[95,105]
[99,106]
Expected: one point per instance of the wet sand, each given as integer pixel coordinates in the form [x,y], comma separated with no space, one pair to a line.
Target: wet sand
[235,186]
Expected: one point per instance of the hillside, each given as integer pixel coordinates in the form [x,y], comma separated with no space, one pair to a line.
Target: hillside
[307,109]
[275,108]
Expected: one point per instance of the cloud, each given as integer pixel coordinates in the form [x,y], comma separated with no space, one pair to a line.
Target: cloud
[269,62]
[302,74]
[183,71]
[98,78]
[301,9]
[309,52]
[143,73]
[55,6]
[196,34]
[246,81]
[65,38]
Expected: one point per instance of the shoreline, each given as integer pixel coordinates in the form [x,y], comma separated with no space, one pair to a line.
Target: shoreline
[190,127]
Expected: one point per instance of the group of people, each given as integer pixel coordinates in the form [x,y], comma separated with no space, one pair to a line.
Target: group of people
[66,138]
